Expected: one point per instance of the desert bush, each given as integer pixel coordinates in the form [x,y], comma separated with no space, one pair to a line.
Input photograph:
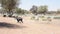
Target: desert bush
[56,17]
[33,17]
[41,16]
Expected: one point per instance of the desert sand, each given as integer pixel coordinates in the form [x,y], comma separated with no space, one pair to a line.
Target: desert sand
[10,26]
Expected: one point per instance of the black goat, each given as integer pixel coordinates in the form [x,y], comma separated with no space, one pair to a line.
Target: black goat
[18,18]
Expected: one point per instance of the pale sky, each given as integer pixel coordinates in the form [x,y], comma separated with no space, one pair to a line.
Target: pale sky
[52,4]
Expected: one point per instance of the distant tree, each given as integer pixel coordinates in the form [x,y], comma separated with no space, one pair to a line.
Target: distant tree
[42,9]
[58,11]
[34,9]
[21,11]
[9,5]
[26,12]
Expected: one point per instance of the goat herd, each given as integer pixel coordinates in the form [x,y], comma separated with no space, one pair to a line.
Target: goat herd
[19,19]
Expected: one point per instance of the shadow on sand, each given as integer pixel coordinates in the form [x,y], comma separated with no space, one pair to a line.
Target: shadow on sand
[12,26]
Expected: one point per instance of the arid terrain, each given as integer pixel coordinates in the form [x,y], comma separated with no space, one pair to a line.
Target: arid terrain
[10,26]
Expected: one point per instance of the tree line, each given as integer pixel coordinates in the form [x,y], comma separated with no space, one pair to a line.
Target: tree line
[12,5]
[39,9]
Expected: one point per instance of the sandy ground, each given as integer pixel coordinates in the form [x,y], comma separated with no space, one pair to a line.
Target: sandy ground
[10,26]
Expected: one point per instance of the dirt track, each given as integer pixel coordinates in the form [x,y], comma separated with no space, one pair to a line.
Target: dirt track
[10,26]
